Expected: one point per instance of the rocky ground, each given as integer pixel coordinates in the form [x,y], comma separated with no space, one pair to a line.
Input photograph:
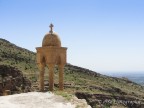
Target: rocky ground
[13,81]
[40,100]
[109,101]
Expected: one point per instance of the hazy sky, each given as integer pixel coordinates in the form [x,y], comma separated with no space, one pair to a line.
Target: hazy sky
[101,35]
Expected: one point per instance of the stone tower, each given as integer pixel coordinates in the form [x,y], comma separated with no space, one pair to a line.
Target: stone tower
[51,53]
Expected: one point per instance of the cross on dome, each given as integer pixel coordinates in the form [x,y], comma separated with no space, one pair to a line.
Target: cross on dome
[51,28]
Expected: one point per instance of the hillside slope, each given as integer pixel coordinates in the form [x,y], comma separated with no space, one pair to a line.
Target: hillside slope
[77,79]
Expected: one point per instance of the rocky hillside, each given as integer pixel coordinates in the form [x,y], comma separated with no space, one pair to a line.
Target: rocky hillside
[78,80]
[15,56]
[12,80]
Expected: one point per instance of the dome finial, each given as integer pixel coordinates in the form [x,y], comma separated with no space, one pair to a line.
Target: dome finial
[51,28]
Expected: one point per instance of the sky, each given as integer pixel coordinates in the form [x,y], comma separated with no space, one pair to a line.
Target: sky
[101,35]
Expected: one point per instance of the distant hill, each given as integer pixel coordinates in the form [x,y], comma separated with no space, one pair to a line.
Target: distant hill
[83,82]
[137,77]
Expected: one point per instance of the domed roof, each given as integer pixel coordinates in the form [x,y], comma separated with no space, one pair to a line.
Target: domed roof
[51,39]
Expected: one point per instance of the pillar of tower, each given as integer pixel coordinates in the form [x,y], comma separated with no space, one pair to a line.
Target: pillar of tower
[51,76]
[41,76]
[61,77]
